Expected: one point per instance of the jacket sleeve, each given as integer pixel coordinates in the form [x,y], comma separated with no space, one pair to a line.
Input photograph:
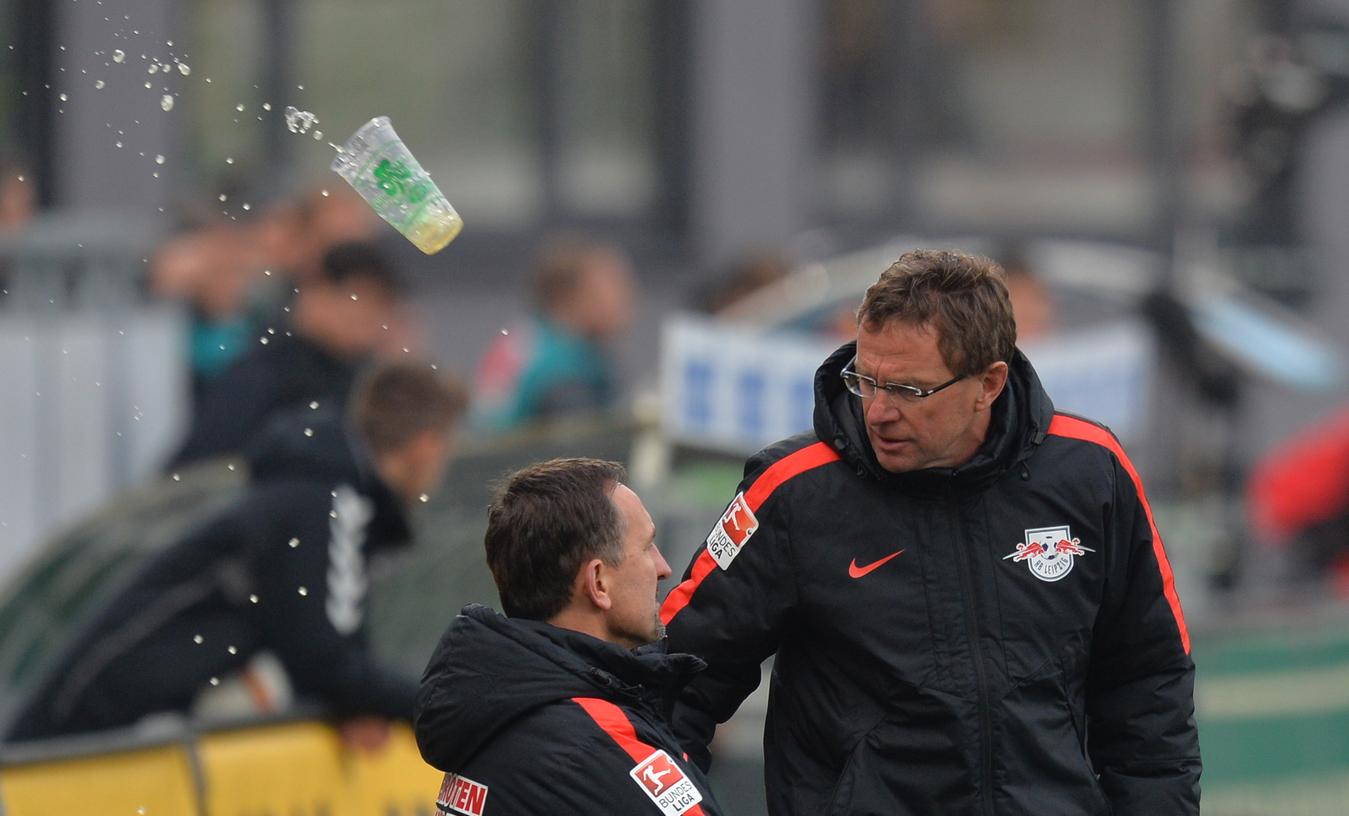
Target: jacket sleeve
[1141,729]
[312,603]
[730,608]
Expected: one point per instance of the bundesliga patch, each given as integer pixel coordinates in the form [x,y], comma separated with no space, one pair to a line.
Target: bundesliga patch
[729,536]
[665,784]
[1048,551]
[459,794]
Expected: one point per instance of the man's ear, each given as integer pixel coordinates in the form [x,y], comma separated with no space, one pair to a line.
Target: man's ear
[594,584]
[991,382]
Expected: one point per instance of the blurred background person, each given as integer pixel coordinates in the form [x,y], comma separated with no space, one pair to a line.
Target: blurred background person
[556,363]
[215,271]
[18,194]
[337,323]
[281,571]
[1032,300]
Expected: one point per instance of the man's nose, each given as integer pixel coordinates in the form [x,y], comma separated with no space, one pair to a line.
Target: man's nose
[663,570]
[881,408]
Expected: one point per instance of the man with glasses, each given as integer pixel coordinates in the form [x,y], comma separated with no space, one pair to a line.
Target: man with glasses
[969,603]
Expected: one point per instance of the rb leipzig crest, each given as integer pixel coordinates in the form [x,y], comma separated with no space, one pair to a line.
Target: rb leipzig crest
[1048,551]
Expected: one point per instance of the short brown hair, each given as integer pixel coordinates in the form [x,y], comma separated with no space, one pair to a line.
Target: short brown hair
[394,402]
[962,296]
[560,266]
[545,522]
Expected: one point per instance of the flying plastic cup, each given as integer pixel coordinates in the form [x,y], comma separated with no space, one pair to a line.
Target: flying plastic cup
[376,163]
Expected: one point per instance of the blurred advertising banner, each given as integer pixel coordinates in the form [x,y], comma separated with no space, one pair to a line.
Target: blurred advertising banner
[736,389]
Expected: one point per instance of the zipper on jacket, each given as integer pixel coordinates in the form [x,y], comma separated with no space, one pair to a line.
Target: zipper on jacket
[980,673]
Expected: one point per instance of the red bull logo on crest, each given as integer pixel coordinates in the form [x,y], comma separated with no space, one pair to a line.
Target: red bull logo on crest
[1048,551]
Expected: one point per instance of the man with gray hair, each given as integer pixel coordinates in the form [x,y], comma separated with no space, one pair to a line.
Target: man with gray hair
[970,605]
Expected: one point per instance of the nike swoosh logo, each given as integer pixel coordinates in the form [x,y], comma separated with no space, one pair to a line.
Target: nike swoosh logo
[855,571]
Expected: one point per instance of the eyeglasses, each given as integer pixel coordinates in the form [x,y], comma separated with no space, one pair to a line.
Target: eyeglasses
[866,388]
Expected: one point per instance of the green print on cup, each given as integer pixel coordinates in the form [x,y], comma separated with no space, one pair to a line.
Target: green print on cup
[376,163]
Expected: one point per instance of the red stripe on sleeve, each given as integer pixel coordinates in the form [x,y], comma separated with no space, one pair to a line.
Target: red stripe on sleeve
[787,468]
[777,474]
[611,719]
[616,724]
[1075,428]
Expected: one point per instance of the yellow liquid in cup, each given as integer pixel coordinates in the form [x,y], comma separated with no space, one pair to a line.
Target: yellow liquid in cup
[433,236]
[436,227]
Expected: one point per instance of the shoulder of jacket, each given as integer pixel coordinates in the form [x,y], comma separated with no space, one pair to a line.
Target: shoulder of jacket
[780,463]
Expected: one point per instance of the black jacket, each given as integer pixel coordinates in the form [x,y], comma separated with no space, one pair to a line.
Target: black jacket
[286,374]
[1000,638]
[529,718]
[284,569]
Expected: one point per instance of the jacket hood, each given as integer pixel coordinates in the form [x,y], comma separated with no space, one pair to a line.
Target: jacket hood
[318,446]
[1020,421]
[490,670]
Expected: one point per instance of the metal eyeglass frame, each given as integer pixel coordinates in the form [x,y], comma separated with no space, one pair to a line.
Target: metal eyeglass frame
[858,384]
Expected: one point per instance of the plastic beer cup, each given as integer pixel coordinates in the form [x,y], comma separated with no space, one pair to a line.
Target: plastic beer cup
[376,163]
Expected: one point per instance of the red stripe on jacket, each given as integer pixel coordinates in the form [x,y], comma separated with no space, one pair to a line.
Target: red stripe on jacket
[1075,428]
[611,719]
[777,474]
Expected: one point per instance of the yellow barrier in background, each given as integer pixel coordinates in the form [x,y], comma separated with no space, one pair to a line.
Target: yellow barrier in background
[395,781]
[290,769]
[148,782]
[295,769]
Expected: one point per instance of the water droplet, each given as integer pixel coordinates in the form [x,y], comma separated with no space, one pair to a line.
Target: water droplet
[198,639]
[308,431]
[266,106]
[159,158]
[184,68]
[303,592]
[118,55]
[166,102]
[149,85]
[239,107]
[263,340]
[215,681]
[176,477]
[294,542]
[314,406]
[505,332]
[353,296]
[153,69]
[98,85]
[247,206]
[223,197]
[20,178]
[298,121]
[425,497]
[229,160]
[324,192]
[119,145]
[63,98]
[230,468]
[318,135]
[155,174]
[252,598]
[300,87]
[232,649]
